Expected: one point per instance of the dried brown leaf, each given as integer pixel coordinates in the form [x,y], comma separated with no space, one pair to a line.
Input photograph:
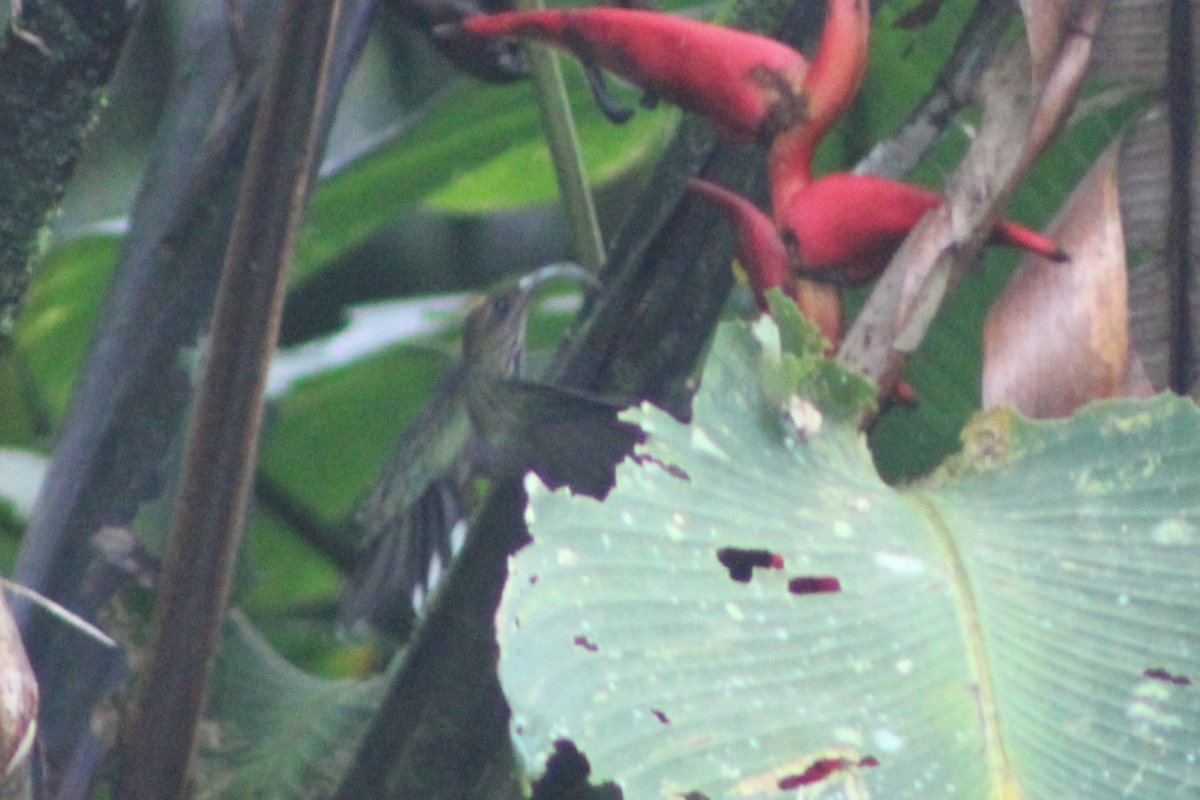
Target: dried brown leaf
[1133,48]
[18,711]
[1016,125]
[1059,335]
[1066,74]
[1130,45]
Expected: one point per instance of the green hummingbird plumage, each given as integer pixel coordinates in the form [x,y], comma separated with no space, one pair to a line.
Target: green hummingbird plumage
[484,418]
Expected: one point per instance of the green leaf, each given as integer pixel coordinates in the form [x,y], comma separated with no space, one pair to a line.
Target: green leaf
[278,733]
[523,173]
[803,368]
[64,303]
[1023,625]
[331,435]
[480,150]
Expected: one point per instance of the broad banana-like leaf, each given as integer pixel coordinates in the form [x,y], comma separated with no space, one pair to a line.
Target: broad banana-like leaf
[753,612]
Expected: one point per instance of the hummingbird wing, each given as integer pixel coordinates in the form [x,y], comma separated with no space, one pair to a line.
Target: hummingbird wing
[565,437]
[408,516]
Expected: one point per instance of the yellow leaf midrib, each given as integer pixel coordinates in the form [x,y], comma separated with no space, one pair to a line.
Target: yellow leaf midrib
[1003,782]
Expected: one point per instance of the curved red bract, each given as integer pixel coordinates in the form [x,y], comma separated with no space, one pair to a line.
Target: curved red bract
[745,84]
[841,228]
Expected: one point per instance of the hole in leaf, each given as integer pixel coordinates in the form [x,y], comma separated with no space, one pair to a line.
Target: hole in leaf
[741,562]
[566,776]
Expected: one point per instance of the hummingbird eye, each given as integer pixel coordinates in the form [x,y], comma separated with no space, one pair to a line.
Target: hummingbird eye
[501,305]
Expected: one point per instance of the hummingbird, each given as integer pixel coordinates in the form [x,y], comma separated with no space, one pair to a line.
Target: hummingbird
[485,418]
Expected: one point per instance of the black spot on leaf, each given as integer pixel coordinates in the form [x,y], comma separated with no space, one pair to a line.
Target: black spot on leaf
[1160,674]
[741,562]
[587,644]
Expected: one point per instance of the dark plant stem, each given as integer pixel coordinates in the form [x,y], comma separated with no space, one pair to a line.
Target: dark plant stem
[1182,121]
[223,433]
[275,498]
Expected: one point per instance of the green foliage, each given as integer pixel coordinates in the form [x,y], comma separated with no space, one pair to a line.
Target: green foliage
[62,308]
[480,150]
[803,369]
[333,432]
[278,733]
[1001,630]
[1005,619]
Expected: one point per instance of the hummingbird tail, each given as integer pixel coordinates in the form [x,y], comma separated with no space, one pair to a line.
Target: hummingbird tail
[399,562]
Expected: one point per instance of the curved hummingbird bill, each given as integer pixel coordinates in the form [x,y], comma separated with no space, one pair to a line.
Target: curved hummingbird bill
[568,270]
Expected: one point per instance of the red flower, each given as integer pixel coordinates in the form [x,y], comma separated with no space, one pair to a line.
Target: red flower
[765,259]
[749,86]
[839,229]
[852,225]
[759,246]
[829,87]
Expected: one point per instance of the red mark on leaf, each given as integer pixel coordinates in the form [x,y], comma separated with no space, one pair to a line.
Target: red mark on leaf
[819,770]
[741,562]
[660,716]
[586,644]
[674,470]
[822,768]
[814,584]
[1162,675]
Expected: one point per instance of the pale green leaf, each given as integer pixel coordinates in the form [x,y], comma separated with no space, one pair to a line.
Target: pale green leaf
[1021,626]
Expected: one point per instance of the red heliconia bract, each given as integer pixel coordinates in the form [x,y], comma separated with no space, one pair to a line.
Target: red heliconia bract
[759,246]
[851,225]
[748,86]
[765,259]
[829,87]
